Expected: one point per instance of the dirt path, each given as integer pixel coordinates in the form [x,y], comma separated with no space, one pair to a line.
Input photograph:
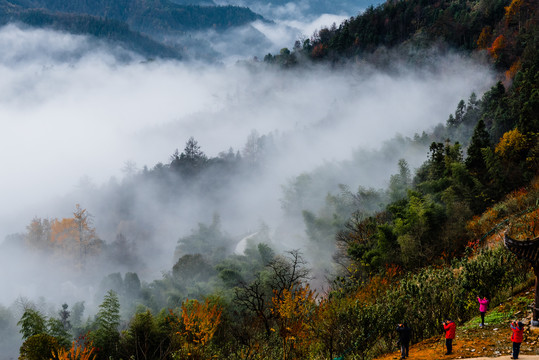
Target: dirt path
[480,343]
[521,357]
[475,343]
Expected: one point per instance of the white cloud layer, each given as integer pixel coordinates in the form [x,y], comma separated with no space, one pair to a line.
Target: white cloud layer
[63,120]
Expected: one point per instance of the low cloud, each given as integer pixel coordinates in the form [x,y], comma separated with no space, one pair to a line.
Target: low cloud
[84,115]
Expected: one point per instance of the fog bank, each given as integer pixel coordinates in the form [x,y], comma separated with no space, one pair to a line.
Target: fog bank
[72,117]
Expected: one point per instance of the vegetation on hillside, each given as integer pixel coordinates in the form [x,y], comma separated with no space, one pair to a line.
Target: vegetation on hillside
[504,29]
[489,341]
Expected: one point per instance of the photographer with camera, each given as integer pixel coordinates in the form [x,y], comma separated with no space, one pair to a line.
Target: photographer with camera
[405,334]
[449,328]
[483,305]
[516,337]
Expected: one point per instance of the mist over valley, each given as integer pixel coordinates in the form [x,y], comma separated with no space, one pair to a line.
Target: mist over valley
[85,118]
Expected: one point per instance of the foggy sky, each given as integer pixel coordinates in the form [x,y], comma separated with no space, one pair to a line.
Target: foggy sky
[72,115]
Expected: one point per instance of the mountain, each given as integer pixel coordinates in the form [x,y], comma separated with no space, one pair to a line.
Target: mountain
[505,29]
[141,26]
[312,8]
[150,16]
[112,31]
[285,9]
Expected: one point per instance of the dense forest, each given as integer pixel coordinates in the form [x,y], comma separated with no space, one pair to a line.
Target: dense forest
[420,250]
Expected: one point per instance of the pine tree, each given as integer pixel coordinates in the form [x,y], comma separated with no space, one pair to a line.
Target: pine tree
[480,140]
[106,337]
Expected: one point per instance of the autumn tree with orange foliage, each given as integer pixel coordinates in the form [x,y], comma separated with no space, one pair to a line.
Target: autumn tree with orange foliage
[334,332]
[75,236]
[330,330]
[513,12]
[512,71]
[196,327]
[63,232]
[484,38]
[77,352]
[295,310]
[527,226]
[497,46]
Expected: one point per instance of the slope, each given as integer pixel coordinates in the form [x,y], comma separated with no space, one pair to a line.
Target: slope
[111,31]
[481,343]
[139,26]
[151,16]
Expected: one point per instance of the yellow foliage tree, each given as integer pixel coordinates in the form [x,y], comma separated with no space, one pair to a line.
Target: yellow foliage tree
[197,325]
[295,310]
[512,71]
[75,236]
[511,145]
[526,226]
[330,330]
[513,11]
[484,37]
[63,231]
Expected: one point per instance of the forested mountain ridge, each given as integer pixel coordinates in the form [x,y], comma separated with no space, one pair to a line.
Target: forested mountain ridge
[136,25]
[503,28]
[418,251]
[149,16]
[111,31]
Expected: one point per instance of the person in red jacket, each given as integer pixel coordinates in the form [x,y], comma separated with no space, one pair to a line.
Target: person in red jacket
[449,327]
[516,337]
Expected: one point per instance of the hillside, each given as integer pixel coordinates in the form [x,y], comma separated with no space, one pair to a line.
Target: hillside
[308,8]
[111,31]
[491,341]
[502,28]
[150,16]
[139,26]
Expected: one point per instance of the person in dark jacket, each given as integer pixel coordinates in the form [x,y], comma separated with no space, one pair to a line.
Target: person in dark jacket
[517,337]
[405,334]
[449,328]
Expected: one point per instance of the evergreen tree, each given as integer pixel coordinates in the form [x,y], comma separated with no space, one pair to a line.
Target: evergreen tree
[191,161]
[401,182]
[475,162]
[106,336]
[59,332]
[64,317]
[32,323]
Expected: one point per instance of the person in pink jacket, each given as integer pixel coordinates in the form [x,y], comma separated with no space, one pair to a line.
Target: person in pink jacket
[483,305]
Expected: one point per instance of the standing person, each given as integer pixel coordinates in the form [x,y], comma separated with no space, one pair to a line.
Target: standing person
[405,334]
[483,305]
[516,337]
[449,328]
